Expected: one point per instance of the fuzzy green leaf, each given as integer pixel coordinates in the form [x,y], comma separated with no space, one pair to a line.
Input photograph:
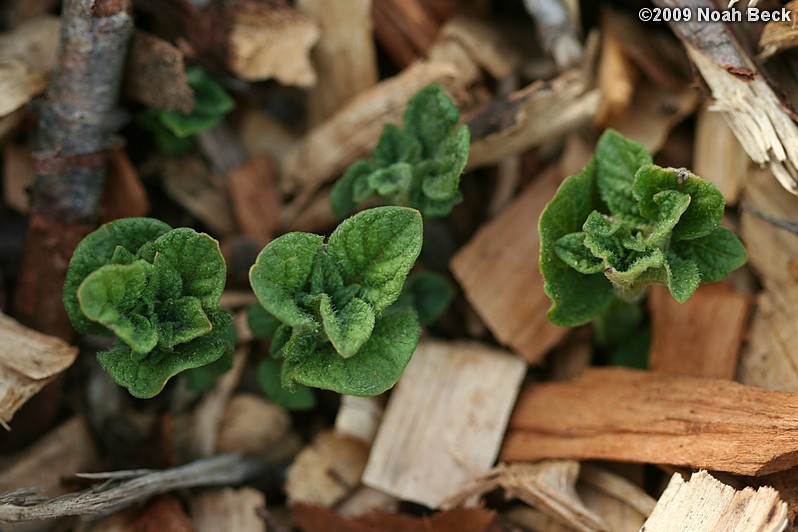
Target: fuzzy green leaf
[348,328]
[683,277]
[672,204]
[706,202]
[181,320]
[572,250]
[98,249]
[715,255]
[376,249]
[441,175]
[116,296]
[576,298]
[429,117]
[145,378]
[395,146]
[375,368]
[262,324]
[211,103]
[617,161]
[282,272]
[342,193]
[268,374]
[391,180]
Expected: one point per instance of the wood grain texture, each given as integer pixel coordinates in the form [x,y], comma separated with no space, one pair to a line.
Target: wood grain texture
[444,421]
[637,416]
[704,503]
[498,271]
[701,337]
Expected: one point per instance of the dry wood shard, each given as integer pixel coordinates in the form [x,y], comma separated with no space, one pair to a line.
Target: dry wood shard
[156,74]
[28,361]
[704,503]
[636,416]
[499,274]
[444,421]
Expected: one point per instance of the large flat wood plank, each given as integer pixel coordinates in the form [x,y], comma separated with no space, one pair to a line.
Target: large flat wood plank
[637,416]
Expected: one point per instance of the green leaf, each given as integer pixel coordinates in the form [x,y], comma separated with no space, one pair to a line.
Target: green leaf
[715,255]
[262,324]
[576,298]
[617,161]
[672,204]
[429,117]
[211,103]
[342,194]
[95,251]
[268,374]
[281,337]
[376,249]
[683,277]
[432,208]
[145,378]
[429,293]
[706,202]
[441,175]
[395,146]
[375,368]
[571,249]
[181,320]
[115,296]
[394,179]
[349,328]
[282,272]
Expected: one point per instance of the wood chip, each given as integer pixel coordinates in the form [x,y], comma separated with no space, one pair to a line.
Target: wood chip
[345,56]
[704,503]
[262,134]
[326,150]
[234,510]
[497,270]
[617,75]
[359,417]
[155,74]
[256,199]
[444,421]
[718,156]
[189,182]
[778,36]
[327,470]
[251,424]
[526,118]
[124,195]
[548,486]
[19,83]
[618,487]
[404,28]
[272,40]
[28,361]
[701,337]
[163,513]
[638,416]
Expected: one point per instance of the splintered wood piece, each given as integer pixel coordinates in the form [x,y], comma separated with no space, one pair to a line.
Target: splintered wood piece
[327,470]
[315,519]
[404,28]
[251,424]
[28,361]
[444,421]
[619,488]
[18,176]
[654,112]
[359,417]
[778,35]
[19,83]
[766,130]
[262,134]
[365,500]
[718,156]
[234,510]
[617,75]
[345,56]
[498,272]
[155,74]
[704,503]
[528,117]
[548,486]
[617,515]
[640,416]
[256,199]
[272,40]
[124,195]
[189,182]
[326,150]
[701,337]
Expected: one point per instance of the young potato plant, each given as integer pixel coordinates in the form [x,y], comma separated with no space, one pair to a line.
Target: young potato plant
[332,306]
[418,166]
[157,290]
[624,223]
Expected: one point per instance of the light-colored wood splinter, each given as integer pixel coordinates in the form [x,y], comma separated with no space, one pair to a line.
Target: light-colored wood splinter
[498,271]
[704,503]
[444,421]
[701,337]
[28,361]
[233,510]
[640,416]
